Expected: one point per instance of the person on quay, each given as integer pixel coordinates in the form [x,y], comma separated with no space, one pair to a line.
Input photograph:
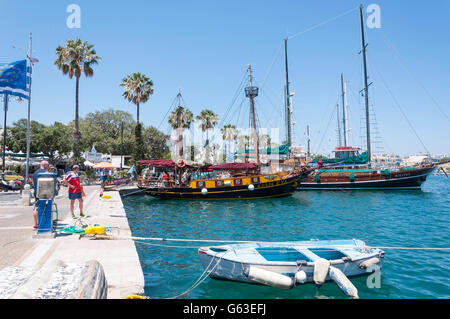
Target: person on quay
[75,190]
[43,167]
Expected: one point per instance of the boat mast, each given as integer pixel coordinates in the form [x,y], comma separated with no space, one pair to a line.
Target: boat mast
[287,102]
[252,91]
[338,126]
[344,115]
[366,86]
[307,133]
[180,148]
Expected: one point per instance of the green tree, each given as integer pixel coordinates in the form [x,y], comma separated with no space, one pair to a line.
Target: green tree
[16,140]
[137,89]
[139,148]
[208,120]
[74,59]
[186,118]
[156,143]
[102,129]
[54,139]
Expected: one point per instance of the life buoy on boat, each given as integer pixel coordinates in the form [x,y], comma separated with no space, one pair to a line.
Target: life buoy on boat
[181,163]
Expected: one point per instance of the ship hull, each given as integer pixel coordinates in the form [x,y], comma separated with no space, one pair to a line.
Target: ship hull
[279,188]
[368,180]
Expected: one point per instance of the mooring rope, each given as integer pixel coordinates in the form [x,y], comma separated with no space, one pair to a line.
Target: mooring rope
[312,243]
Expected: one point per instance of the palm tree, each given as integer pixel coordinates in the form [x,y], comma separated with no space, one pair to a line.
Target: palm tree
[181,119]
[75,58]
[264,140]
[186,118]
[208,119]
[138,88]
[229,133]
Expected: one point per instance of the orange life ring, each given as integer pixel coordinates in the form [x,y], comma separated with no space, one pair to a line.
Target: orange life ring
[181,163]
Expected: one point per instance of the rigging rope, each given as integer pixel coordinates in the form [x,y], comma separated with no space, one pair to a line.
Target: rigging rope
[393,48]
[322,23]
[400,108]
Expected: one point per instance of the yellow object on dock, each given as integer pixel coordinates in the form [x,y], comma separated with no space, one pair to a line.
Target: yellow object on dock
[136,297]
[92,230]
[106,196]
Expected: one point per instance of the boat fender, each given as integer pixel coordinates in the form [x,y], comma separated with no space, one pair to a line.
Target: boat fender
[227,183]
[204,191]
[369,263]
[300,277]
[251,187]
[352,177]
[321,267]
[268,278]
[343,282]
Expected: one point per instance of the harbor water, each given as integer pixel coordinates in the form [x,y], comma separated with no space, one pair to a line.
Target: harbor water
[380,218]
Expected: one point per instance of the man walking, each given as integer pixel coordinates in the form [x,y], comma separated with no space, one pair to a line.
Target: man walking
[73,181]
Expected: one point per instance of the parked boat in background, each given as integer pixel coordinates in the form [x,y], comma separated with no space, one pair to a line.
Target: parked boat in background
[351,170]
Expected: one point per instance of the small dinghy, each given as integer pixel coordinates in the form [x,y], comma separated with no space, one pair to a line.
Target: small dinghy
[289,264]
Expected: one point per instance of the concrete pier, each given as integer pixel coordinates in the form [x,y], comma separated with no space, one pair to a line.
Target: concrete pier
[118,258]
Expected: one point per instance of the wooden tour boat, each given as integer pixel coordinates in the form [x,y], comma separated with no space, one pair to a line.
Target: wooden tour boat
[240,180]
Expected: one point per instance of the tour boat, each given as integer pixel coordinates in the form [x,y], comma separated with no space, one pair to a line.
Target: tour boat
[349,172]
[354,171]
[244,182]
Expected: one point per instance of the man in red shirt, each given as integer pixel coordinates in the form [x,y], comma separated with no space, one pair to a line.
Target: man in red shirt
[165,179]
[73,181]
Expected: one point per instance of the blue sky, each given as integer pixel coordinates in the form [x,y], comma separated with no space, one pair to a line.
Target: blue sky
[203,48]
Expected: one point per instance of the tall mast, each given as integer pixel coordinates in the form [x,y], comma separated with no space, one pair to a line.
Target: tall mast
[366,86]
[287,104]
[344,115]
[307,133]
[180,147]
[338,126]
[252,91]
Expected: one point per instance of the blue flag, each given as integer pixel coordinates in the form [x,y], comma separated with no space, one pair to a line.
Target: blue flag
[131,170]
[13,78]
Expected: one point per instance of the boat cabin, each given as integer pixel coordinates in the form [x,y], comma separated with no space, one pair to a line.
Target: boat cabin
[346,152]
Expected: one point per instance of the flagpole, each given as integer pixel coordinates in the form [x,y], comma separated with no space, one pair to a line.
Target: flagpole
[28,119]
[4,131]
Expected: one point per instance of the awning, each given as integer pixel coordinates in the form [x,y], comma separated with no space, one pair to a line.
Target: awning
[157,163]
[230,167]
[105,165]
